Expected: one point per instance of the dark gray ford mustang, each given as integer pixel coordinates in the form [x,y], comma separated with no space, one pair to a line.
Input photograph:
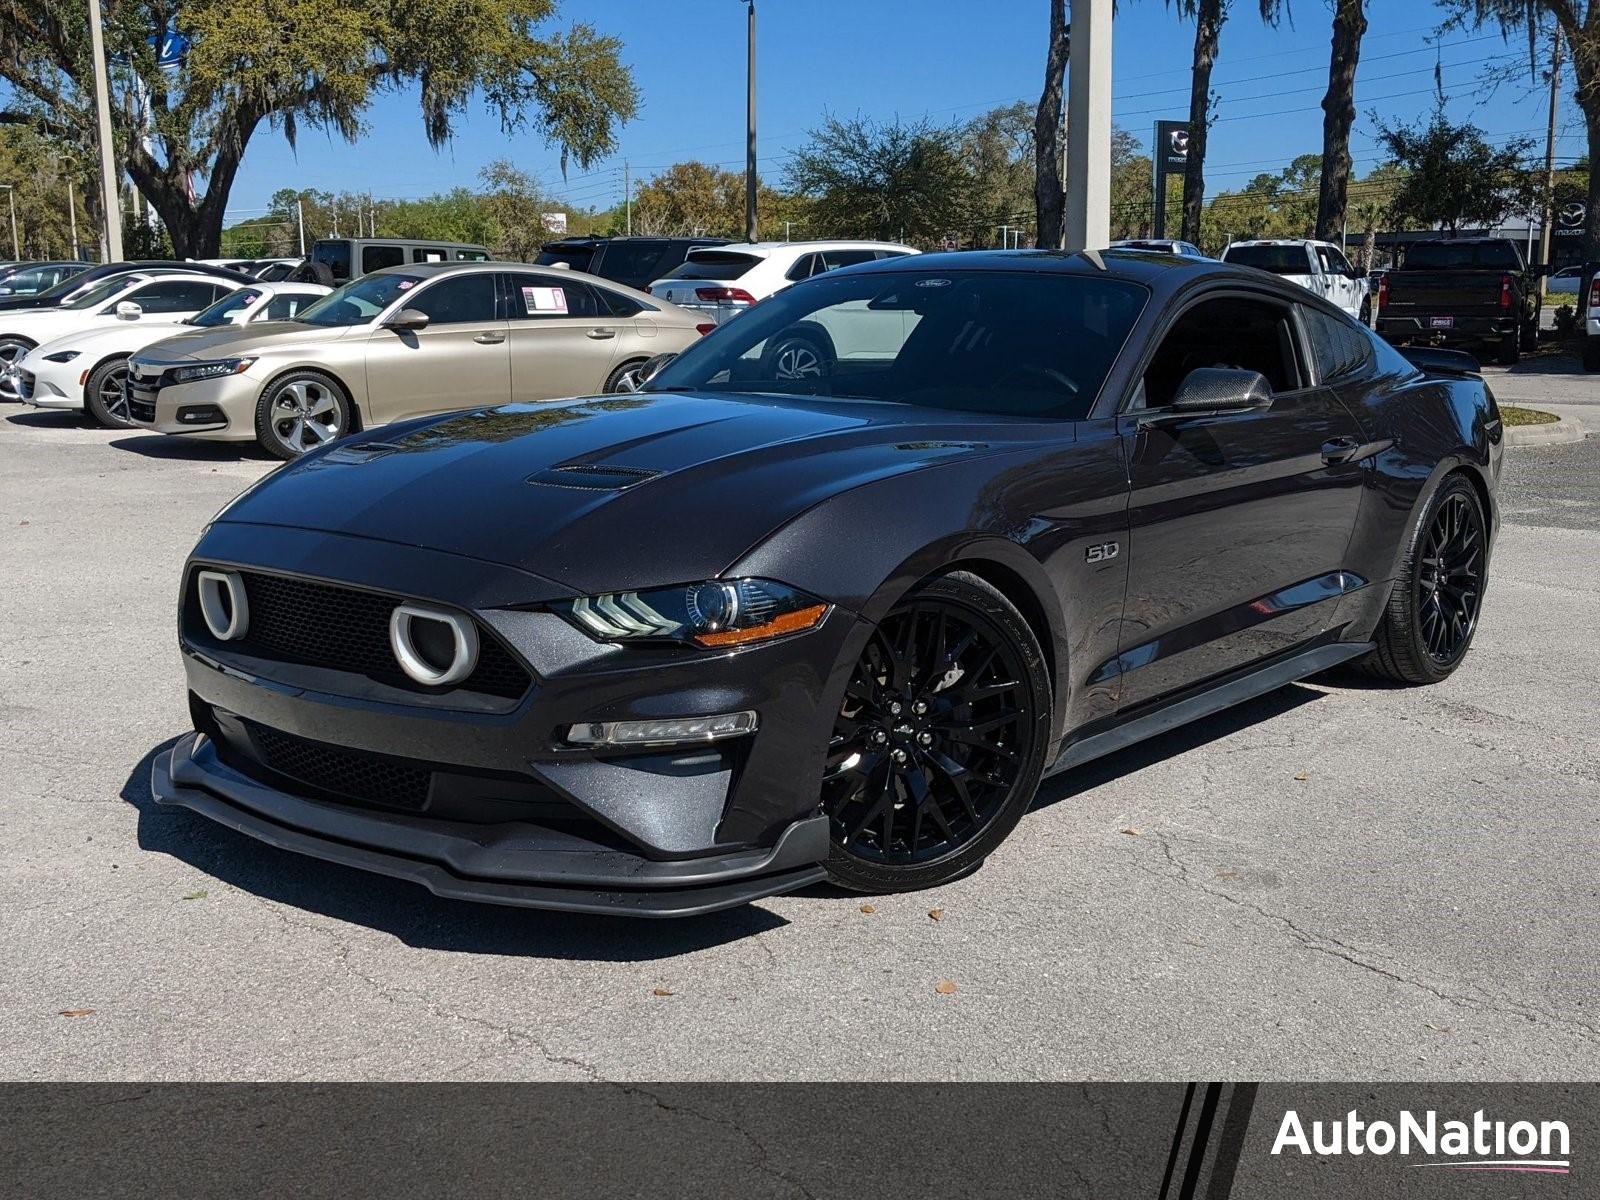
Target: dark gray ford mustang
[829,596]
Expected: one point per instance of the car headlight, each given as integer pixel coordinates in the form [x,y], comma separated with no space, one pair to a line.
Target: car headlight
[713,614]
[219,369]
[62,356]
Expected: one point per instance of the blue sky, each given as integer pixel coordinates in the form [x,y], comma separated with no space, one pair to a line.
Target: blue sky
[943,59]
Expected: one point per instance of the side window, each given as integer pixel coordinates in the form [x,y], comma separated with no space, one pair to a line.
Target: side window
[472,256]
[1229,331]
[803,267]
[376,258]
[832,260]
[544,297]
[174,296]
[285,308]
[428,254]
[630,261]
[616,303]
[1340,347]
[1341,264]
[459,299]
[1324,263]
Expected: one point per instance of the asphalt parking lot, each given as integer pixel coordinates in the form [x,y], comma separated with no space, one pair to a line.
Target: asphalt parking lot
[1335,882]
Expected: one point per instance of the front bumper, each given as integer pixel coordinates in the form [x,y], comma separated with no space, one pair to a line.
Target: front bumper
[518,865]
[51,385]
[227,407]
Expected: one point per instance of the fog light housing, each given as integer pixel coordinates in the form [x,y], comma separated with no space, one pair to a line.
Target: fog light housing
[672,731]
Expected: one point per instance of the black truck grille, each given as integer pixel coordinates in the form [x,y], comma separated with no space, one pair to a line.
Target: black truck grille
[345,629]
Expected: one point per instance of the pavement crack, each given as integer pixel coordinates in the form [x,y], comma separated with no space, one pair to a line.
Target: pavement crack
[763,1162]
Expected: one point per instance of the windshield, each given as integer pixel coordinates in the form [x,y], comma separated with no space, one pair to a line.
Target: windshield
[576,257]
[1463,256]
[230,310]
[27,283]
[100,292]
[1280,260]
[1024,344]
[360,300]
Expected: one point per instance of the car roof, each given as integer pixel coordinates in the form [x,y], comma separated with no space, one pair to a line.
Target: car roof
[773,249]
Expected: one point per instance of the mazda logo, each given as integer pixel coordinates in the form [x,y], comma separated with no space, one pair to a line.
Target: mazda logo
[1572,214]
[1179,140]
[435,647]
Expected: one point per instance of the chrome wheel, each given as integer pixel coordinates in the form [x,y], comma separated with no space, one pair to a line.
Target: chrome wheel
[628,379]
[305,414]
[932,739]
[11,350]
[798,359]
[1450,579]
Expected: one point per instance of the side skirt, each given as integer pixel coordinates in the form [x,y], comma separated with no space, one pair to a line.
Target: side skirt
[1214,700]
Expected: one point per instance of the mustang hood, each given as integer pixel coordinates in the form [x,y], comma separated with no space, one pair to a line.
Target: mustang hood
[232,340]
[613,492]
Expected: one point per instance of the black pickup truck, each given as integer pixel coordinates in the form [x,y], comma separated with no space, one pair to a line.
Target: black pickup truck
[1462,291]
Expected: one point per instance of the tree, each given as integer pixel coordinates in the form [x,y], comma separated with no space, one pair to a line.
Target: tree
[997,148]
[515,206]
[43,177]
[1209,17]
[691,199]
[1579,23]
[1453,176]
[1132,187]
[1049,196]
[895,181]
[1338,115]
[297,64]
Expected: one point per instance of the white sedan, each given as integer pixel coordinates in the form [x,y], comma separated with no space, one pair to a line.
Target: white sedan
[87,369]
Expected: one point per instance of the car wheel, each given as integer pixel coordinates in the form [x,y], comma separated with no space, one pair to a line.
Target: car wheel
[796,356]
[1591,354]
[104,396]
[1510,351]
[939,742]
[625,378]
[300,412]
[13,348]
[1433,609]
[1530,337]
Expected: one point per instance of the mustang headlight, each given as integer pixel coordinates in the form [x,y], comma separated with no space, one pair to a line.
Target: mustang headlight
[62,356]
[219,369]
[717,613]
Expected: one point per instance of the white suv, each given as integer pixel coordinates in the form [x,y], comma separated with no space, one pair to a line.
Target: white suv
[719,282]
[1318,267]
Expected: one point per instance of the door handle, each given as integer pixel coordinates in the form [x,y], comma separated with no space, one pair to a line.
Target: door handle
[601,335]
[489,339]
[1340,450]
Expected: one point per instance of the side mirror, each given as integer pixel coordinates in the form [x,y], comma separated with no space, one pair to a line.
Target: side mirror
[129,311]
[652,367]
[1222,389]
[407,320]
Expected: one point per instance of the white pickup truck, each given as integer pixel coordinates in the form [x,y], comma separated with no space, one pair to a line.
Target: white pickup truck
[1318,267]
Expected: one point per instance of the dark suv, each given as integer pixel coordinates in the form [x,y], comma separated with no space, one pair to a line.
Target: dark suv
[635,261]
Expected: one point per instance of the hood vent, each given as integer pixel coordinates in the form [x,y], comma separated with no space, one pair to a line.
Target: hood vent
[593,478]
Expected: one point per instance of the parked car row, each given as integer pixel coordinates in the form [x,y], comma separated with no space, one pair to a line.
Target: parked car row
[201,350]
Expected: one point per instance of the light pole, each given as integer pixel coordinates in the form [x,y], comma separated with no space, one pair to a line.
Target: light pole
[1088,215]
[11,195]
[110,197]
[750,230]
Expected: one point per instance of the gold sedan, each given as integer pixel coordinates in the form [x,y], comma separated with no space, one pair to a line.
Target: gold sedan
[405,342]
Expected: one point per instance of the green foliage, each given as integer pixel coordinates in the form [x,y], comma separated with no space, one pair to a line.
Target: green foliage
[40,172]
[1453,176]
[691,199]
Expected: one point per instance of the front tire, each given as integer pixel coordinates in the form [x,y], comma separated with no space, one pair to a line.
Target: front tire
[300,412]
[1433,610]
[104,396]
[13,348]
[940,740]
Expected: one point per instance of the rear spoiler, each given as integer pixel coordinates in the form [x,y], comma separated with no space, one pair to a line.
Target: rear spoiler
[1433,361]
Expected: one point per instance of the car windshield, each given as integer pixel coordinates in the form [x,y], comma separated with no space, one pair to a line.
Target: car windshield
[360,300]
[1028,344]
[1280,260]
[99,293]
[230,310]
[1463,256]
[27,283]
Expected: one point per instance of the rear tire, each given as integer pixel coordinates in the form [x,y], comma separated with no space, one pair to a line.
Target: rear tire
[1530,337]
[940,740]
[1510,350]
[625,378]
[300,412]
[1433,610]
[797,356]
[104,398]
[1591,354]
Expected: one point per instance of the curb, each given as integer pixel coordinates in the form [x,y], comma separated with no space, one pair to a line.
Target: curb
[1553,433]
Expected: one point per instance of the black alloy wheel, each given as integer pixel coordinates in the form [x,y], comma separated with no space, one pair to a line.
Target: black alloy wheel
[938,745]
[1433,608]
[106,397]
[1450,578]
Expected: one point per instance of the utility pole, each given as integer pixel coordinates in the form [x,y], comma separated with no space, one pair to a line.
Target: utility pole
[1548,216]
[72,216]
[11,194]
[750,229]
[627,197]
[300,221]
[110,198]
[1088,215]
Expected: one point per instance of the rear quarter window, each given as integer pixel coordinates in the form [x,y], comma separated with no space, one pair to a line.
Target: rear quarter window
[1342,348]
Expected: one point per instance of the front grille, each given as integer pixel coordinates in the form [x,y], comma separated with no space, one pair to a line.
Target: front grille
[345,629]
[139,409]
[343,773]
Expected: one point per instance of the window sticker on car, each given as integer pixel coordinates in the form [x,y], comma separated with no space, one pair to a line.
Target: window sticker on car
[544,299]
[406,283]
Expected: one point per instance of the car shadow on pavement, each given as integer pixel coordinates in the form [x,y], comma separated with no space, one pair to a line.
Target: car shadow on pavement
[410,912]
[159,445]
[61,418]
